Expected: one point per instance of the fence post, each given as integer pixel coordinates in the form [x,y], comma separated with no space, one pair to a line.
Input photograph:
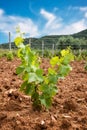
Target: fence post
[9,41]
[53,49]
[30,42]
[42,48]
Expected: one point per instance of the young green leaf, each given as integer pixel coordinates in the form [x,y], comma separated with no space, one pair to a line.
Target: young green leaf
[19,70]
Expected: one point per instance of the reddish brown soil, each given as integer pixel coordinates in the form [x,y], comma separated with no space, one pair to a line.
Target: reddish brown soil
[68,111]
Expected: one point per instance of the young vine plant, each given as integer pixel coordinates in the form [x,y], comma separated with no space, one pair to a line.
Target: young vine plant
[42,88]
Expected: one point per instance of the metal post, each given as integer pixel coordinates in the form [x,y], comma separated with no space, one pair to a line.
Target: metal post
[42,48]
[30,42]
[53,49]
[9,41]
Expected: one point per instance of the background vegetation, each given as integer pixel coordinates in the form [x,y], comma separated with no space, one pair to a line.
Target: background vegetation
[76,41]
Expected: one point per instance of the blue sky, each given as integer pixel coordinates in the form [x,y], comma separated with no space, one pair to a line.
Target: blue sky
[42,17]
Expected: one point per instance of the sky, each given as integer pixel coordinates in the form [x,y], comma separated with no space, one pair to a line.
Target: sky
[37,18]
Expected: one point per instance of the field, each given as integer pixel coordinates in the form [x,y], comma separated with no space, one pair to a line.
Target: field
[69,107]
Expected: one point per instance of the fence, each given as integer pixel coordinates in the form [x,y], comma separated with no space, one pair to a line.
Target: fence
[43,44]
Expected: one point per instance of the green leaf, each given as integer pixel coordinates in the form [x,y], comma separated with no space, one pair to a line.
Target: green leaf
[18,41]
[27,69]
[24,84]
[44,87]
[54,60]
[52,79]
[39,73]
[20,69]
[35,77]
[67,59]
[51,71]
[32,77]
[25,76]
[30,57]
[35,95]
[49,90]
[64,70]
[65,52]
[29,89]
[21,53]
[52,90]
[46,101]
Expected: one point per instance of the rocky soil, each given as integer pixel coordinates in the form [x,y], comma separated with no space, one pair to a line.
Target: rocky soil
[69,108]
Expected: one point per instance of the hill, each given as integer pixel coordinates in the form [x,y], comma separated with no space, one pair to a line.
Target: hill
[82,34]
[47,40]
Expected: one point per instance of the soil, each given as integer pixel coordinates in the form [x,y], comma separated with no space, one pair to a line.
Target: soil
[69,107]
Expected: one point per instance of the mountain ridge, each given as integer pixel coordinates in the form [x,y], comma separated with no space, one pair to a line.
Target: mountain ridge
[48,39]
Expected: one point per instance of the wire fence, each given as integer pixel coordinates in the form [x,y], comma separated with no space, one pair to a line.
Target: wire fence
[43,44]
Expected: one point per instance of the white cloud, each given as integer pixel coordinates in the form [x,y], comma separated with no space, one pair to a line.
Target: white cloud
[9,23]
[49,16]
[86,15]
[83,8]
[74,27]
[54,25]
[1,12]
[53,22]
[70,29]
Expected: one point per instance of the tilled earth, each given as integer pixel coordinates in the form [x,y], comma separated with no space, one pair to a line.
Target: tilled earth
[69,108]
